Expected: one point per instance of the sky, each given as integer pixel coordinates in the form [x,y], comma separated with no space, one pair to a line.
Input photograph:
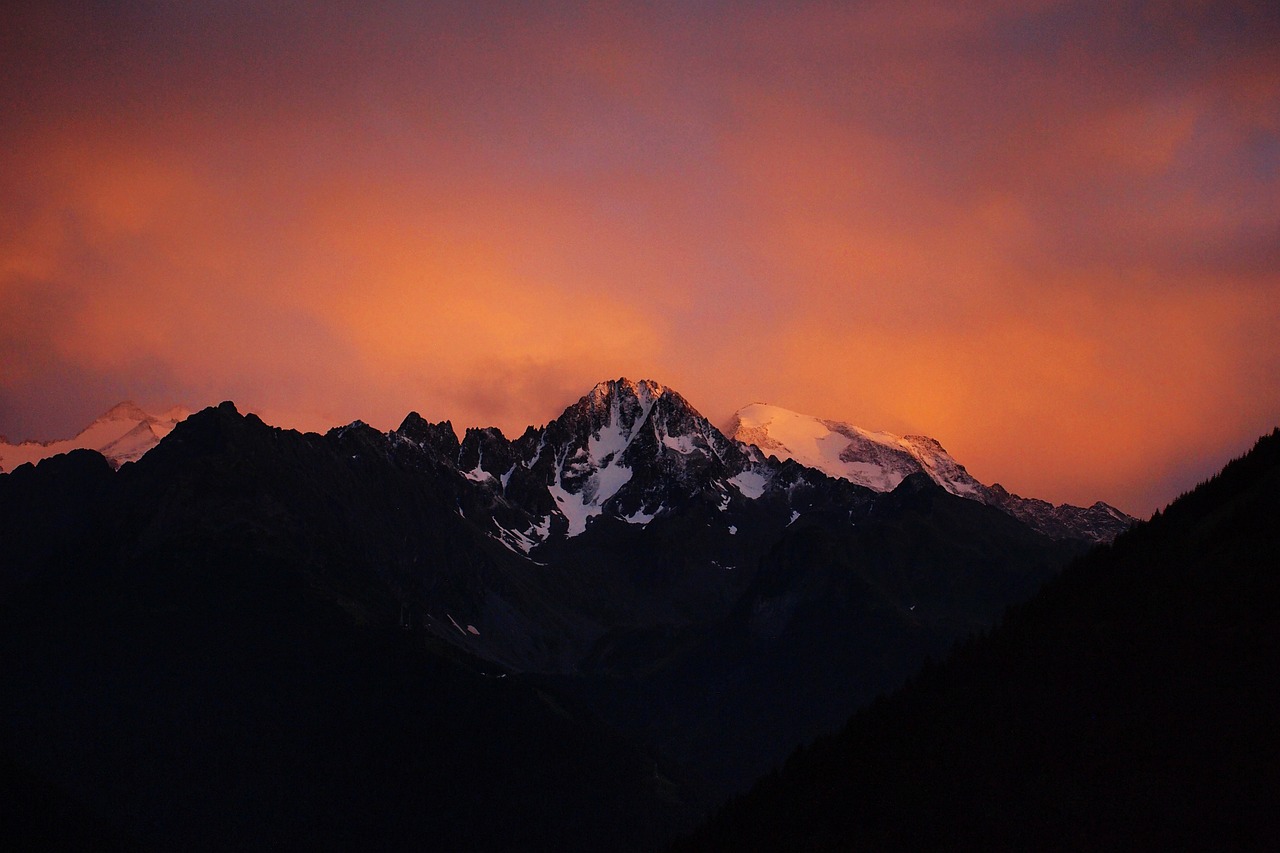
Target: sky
[1045,233]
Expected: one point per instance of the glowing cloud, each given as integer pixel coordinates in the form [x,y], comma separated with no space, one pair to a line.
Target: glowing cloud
[1046,234]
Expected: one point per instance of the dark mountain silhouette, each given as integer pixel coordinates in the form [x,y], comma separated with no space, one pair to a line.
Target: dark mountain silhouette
[579,639]
[211,665]
[1131,704]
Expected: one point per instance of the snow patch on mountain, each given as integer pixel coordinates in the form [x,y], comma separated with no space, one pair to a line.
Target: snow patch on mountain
[641,517]
[576,509]
[751,483]
[478,475]
[679,443]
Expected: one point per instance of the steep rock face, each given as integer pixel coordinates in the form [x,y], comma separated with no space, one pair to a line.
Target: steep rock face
[881,460]
[632,450]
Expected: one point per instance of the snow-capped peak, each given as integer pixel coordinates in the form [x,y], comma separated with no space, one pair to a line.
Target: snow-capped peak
[878,460]
[882,460]
[122,434]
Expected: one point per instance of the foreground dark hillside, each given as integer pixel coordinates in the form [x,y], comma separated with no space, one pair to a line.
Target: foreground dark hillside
[835,615]
[1130,705]
[197,654]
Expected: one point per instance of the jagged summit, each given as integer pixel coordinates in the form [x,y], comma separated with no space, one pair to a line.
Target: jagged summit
[616,413]
[628,449]
[419,430]
[645,389]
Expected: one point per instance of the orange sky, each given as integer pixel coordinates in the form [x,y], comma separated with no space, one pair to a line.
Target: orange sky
[1047,234]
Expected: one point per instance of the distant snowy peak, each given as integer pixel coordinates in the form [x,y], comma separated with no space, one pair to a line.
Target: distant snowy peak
[882,460]
[122,434]
[877,460]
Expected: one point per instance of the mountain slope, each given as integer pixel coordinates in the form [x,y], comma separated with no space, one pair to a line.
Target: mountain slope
[881,460]
[1129,705]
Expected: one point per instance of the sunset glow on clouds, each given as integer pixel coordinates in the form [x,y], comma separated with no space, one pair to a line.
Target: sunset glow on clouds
[1046,234]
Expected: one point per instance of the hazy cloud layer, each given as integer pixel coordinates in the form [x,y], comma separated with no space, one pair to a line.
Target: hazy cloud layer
[1046,234]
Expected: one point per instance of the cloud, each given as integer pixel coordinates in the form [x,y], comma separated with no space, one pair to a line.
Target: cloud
[1045,234]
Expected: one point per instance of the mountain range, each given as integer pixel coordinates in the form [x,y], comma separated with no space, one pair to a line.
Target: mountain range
[251,636]
[877,460]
